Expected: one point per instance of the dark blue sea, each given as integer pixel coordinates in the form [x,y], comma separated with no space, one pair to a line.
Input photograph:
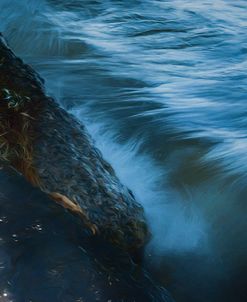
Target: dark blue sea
[162,87]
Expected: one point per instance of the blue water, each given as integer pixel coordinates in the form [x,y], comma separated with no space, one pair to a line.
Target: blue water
[161,86]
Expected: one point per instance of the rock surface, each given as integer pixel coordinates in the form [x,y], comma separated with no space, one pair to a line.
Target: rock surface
[46,255]
[54,152]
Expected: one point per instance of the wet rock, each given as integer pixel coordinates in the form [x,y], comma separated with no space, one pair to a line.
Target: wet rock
[46,255]
[55,153]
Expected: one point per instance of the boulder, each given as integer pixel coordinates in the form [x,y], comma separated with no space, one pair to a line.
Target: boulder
[54,152]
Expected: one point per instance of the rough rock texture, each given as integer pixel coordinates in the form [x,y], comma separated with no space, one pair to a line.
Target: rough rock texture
[46,256]
[54,152]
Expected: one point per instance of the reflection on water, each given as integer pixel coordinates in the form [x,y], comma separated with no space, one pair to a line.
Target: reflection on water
[161,86]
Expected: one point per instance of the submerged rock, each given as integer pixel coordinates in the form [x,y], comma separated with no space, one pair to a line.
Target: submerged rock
[45,254]
[55,153]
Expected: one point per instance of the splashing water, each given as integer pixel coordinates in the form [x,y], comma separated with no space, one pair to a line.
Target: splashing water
[161,86]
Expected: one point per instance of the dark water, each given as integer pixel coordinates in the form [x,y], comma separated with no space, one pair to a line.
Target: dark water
[162,87]
[46,255]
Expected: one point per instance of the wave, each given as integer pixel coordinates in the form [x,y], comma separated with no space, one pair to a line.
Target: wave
[161,86]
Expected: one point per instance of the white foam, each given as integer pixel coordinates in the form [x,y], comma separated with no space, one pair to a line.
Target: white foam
[177,226]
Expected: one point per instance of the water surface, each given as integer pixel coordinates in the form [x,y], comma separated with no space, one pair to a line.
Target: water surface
[161,86]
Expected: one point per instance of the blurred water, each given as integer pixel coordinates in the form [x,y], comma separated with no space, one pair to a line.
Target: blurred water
[161,86]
